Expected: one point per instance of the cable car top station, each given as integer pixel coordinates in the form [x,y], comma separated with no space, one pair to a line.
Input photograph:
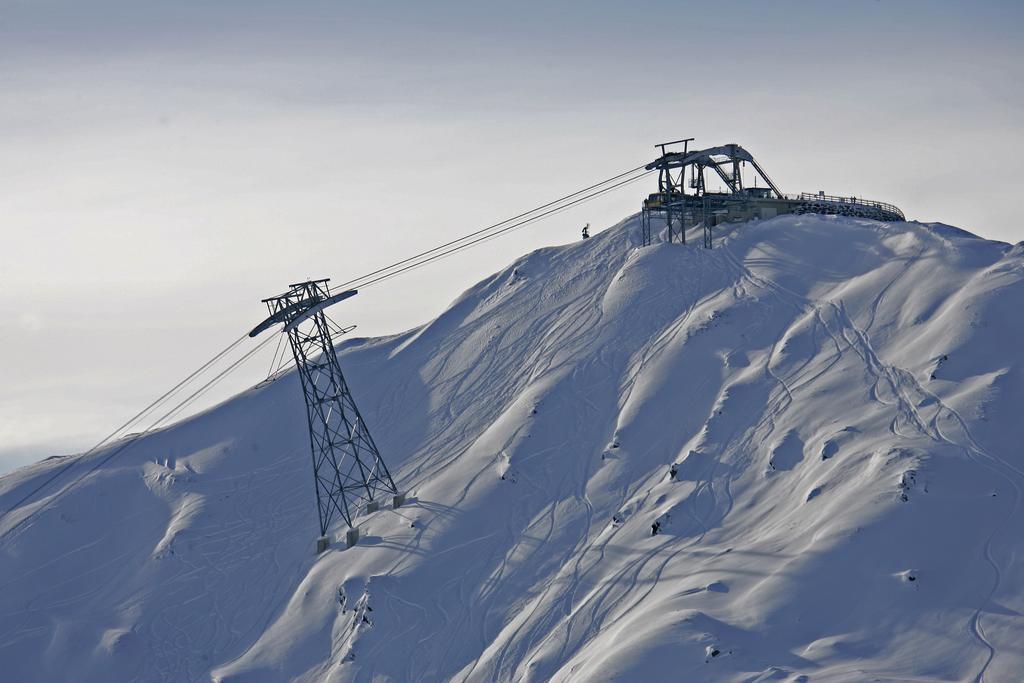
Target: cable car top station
[685,200]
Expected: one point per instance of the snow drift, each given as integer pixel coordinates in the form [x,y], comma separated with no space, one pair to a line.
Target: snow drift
[797,454]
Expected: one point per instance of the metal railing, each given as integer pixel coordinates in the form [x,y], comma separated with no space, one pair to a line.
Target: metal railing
[810,203]
[854,202]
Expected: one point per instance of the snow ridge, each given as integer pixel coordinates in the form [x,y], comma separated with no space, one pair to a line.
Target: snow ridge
[793,455]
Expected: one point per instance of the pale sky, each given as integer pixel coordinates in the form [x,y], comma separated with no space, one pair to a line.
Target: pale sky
[165,165]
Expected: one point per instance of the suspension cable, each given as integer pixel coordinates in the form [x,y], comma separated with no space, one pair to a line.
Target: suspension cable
[176,409]
[273,360]
[391,271]
[489,227]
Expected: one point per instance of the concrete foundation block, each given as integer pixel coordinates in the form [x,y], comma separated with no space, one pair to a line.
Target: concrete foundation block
[322,544]
[352,537]
[398,501]
[372,506]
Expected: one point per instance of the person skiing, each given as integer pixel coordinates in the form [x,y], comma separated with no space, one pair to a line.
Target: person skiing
[586,231]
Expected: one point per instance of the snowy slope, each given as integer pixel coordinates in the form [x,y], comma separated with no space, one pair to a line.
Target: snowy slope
[839,400]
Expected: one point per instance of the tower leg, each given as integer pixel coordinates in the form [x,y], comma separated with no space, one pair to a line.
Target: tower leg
[706,211]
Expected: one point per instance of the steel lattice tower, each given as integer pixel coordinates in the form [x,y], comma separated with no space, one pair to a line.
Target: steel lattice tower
[347,467]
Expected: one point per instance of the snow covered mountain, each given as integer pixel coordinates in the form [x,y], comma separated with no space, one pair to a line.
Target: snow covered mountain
[820,418]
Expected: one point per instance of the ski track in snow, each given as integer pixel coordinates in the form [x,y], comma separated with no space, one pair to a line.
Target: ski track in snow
[901,383]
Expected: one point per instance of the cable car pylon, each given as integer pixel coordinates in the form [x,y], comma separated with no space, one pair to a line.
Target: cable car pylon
[347,467]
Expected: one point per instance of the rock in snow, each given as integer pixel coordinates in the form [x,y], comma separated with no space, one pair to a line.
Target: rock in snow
[805,342]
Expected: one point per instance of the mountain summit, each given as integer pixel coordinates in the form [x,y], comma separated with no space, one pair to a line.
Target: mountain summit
[795,455]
